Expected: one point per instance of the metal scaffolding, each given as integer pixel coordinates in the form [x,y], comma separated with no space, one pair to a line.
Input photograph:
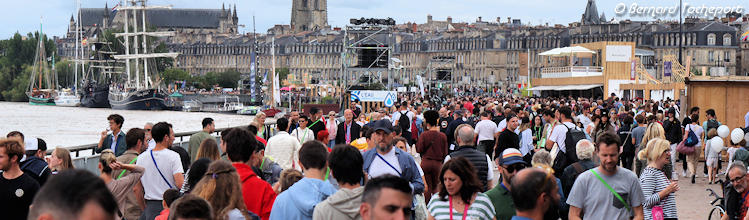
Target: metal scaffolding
[367,35]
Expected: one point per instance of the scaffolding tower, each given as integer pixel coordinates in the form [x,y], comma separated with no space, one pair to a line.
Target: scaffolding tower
[367,51]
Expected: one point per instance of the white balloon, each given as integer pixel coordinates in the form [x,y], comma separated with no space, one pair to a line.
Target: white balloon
[716,144]
[723,131]
[737,135]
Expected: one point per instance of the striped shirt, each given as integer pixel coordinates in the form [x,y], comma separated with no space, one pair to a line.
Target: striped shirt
[481,208]
[653,181]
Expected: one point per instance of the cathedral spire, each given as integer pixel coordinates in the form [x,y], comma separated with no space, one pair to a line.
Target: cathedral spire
[591,13]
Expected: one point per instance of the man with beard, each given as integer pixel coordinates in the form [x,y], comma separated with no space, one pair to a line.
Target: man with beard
[606,190]
[445,119]
[510,162]
[534,192]
[386,159]
[507,138]
[735,205]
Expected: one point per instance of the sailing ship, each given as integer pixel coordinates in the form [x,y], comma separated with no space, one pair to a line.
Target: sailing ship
[96,81]
[41,85]
[65,96]
[136,90]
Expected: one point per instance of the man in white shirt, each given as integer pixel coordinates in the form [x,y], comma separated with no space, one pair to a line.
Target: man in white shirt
[303,133]
[484,134]
[559,132]
[163,169]
[386,159]
[397,117]
[149,139]
[283,148]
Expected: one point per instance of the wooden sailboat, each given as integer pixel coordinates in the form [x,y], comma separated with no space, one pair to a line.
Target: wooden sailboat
[41,86]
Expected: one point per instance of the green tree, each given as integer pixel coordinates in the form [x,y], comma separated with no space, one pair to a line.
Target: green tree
[17,56]
[174,74]
[283,72]
[162,63]
[228,79]
[66,73]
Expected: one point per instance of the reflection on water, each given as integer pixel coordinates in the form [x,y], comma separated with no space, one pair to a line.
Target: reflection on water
[72,126]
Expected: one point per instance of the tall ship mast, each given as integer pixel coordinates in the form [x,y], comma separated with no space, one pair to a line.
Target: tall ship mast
[138,90]
[94,91]
[41,84]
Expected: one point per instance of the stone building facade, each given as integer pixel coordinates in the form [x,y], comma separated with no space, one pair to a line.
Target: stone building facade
[309,15]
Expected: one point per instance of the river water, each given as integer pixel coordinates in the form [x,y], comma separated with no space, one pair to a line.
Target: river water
[73,126]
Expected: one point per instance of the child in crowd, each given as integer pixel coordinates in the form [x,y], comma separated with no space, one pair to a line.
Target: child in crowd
[169,196]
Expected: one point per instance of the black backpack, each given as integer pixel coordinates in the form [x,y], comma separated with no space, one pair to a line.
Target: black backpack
[570,141]
[404,124]
[712,123]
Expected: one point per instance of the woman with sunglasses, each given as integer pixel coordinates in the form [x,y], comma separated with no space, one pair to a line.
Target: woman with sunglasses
[459,194]
[656,187]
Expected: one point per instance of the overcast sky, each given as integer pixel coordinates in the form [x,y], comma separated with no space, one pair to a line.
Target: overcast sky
[23,16]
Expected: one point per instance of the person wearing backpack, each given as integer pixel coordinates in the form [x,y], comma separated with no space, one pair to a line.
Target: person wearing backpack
[696,130]
[710,123]
[558,137]
[628,147]
[403,118]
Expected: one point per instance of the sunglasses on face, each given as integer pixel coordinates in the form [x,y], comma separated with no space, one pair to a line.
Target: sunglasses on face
[737,179]
[302,121]
[514,167]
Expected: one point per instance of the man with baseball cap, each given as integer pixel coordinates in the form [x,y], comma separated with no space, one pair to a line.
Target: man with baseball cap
[385,159]
[509,163]
[33,163]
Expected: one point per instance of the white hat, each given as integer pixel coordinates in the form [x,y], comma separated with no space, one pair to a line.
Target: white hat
[31,144]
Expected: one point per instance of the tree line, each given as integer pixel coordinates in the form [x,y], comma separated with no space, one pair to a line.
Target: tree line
[16,63]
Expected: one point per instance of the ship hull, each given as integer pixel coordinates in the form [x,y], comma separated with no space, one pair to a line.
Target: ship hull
[144,99]
[95,97]
[41,101]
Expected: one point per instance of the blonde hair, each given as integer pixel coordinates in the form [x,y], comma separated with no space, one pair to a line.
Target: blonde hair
[105,158]
[542,157]
[654,130]
[712,133]
[288,178]
[220,187]
[654,149]
[208,149]
[64,155]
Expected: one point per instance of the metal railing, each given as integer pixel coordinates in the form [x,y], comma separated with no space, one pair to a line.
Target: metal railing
[572,69]
[85,156]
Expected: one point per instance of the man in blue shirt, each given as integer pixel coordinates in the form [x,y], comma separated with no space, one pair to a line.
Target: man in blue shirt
[299,201]
[116,140]
[534,191]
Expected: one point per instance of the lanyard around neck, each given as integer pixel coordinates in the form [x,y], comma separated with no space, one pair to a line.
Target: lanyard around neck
[465,209]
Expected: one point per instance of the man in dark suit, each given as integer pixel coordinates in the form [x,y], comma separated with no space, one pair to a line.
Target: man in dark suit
[348,131]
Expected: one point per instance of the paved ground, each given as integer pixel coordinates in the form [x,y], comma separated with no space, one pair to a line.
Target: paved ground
[692,200]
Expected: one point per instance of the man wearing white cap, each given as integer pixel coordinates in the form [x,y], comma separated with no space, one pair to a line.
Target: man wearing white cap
[33,163]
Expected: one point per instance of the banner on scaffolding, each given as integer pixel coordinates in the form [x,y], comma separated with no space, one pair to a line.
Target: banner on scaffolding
[667,68]
[632,70]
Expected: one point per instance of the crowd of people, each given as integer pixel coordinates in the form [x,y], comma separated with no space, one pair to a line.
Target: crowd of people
[477,157]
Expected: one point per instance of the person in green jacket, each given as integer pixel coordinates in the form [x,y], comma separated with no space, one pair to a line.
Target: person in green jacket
[197,138]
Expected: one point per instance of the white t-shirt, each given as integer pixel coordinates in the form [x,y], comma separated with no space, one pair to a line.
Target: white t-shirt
[501,126]
[397,116]
[379,167]
[490,167]
[169,163]
[559,135]
[485,130]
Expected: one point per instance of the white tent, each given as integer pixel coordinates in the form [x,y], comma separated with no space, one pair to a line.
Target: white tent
[564,51]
